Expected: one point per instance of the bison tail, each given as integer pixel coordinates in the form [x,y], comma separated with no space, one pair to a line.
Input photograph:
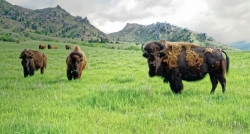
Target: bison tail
[227,61]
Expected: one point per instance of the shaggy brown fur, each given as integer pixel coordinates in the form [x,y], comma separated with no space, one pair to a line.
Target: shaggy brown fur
[32,60]
[76,62]
[208,50]
[54,47]
[177,61]
[174,50]
[67,47]
[42,46]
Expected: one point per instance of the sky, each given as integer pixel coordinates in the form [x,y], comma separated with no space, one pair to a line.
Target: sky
[227,21]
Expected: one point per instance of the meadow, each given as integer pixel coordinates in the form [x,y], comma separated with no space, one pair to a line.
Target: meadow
[116,95]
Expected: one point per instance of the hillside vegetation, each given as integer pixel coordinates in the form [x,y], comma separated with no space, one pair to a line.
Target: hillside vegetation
[116,95]
[54,22]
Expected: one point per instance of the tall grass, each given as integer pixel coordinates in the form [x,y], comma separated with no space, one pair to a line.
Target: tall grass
[116,95]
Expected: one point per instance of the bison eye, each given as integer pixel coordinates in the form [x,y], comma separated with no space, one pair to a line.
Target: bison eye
[145,55]
[161,55]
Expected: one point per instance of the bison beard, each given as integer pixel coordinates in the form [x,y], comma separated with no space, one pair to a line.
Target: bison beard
[177,61]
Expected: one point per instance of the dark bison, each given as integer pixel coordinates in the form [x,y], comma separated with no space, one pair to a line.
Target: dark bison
[42,46]
[52,47]
[76,62]
[177,61]
[49,46]
[67,47]
[32,60]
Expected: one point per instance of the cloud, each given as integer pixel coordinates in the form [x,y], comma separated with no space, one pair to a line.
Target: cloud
[225,21]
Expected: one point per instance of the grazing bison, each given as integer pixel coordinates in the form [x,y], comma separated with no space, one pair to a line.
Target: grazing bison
[67,47]
[42,46]
[32,60]
[76,62]
[177,61]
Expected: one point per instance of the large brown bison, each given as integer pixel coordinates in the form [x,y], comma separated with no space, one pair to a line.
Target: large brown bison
[76,62]
[67,47]
[32,60]
[177,61]
[42,46]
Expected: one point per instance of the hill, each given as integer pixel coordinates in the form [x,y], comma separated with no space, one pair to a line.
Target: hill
[164,31]
[53,22]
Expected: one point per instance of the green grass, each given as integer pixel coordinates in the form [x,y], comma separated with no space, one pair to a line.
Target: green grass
[116,95]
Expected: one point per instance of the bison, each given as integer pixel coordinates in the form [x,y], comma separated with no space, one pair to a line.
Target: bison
[76,62]
[42,46]
[177,61]
[67,47]
[49,46]
[32,60]
[52,47]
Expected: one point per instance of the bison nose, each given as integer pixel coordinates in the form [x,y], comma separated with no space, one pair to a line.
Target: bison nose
[152,63]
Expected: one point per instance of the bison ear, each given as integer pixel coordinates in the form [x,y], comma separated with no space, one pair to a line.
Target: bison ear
[145,55]
[161,55]
[20,57]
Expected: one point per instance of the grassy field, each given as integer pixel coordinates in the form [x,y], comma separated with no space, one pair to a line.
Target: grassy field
[116,95]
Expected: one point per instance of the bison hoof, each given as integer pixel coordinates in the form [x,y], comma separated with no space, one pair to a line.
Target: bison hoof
[69,77]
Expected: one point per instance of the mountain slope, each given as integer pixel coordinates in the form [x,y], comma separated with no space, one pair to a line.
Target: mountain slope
[55,22]
[164,31]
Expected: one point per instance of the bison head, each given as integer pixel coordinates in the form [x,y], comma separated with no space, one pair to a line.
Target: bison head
[27,63]
[75,64]
[154,52]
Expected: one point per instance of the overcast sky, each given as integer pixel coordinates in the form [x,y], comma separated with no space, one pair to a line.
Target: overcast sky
[226,21]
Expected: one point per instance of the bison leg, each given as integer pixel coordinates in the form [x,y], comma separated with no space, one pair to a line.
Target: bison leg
[214,82]
[25,72]
[222,81]
[80,74]
[42,70]
[32,72]
[69,75]
[176,83]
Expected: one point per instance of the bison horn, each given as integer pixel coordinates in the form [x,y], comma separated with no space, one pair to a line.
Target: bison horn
[164,48]
[142,49]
